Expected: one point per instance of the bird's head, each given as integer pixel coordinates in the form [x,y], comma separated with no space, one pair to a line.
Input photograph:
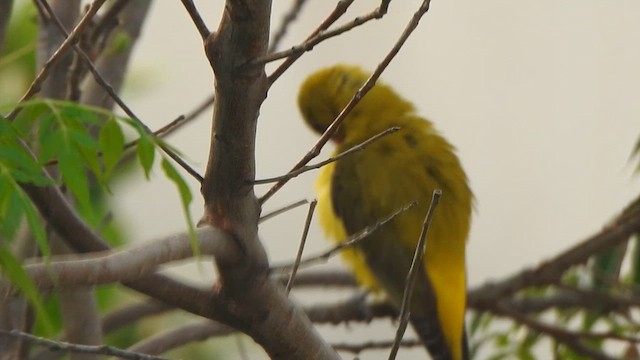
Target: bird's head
[326,92]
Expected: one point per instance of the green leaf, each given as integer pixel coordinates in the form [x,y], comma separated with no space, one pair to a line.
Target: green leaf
[20,165]
[146,153]
[75,179]
[120,42]
[33,220]
[111,141]
[12,269]
[51,140]
[606,268]
[87,148]
[186,198]
[10,211]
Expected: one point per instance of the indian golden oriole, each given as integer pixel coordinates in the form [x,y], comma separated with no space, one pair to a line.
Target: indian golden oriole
[360,189]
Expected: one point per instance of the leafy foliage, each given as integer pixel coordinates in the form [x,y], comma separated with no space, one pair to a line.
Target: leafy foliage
[514,339]
[75,147]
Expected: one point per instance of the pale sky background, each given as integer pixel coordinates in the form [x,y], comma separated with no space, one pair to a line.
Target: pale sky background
[539,97]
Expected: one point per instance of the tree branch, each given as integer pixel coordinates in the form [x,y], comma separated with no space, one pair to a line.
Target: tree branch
[34,88]
[180,336]
[55,209]
[230,201]
[364,89]
[78,348]
[127,264]
[550,271]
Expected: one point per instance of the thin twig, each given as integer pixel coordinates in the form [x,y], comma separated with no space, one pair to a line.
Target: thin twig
[605,302]
[185,119]
[197,19]
[609,335]
[351,241]
[320,278]
[303,241]
[315,151]
[34,88]
[173,338]
[109,89]
[337,12]
[167,129]
[288,19]
[124,265]
[374,345]
[551,271]
[570,339]
[320,35]
[108,21]
[416,265]
[281,210]
[62,346]
[309,44]
[130,314]
[306,168]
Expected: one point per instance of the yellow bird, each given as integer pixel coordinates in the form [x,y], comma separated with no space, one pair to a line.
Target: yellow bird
[367,186]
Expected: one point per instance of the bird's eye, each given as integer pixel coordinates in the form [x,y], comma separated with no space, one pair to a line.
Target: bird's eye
[342,81]
[410,140]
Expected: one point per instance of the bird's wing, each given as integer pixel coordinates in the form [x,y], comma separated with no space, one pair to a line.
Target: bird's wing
[367,187]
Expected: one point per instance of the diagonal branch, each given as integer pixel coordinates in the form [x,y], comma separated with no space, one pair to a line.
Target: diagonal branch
[228,191]
[331,130]
[34,88]
[62,346]
[127,264]
[303,169]
[287,20]
[339,10]
[55,209]
[416,266]
[551,271]
[109,89]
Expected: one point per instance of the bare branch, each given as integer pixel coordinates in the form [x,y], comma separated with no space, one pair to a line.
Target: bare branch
[320,278]
[306,168]
[375,345]
[605,302]
[77,348]
[197,19]
[183,120]
[351,241]
[128,264]
[34,88]
[309,44]
[123,18]
[288,19]
[568,338]
[354,309]
[109,89]
[109,20]
[330,131]
[228,191]
[180,336]
[339,10]
[550,271]
[283,209]
[303,240]
[131,314]
[416,265]
[62,218]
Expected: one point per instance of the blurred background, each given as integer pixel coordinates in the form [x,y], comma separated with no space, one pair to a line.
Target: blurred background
[540,99]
